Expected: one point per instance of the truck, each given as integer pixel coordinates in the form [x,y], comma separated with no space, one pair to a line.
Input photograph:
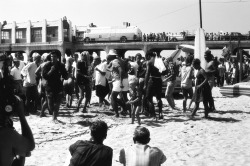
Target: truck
[182,36]
[112,34]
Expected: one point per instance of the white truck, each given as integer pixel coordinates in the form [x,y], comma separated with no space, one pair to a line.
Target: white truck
[108,34]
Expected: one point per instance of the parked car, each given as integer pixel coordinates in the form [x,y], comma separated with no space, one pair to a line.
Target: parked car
[182,36]
[234,36]
[177,88]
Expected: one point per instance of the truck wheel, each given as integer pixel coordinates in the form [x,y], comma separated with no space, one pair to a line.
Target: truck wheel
[123,39]
[174,40]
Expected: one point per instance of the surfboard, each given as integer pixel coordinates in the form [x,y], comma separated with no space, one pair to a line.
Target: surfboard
[236,90]
[200,46]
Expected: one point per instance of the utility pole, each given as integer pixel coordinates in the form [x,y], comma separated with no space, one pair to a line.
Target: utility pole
[200,14]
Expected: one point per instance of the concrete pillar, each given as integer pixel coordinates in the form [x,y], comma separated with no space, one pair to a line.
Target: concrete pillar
[44,31]
[98,53]
[13,33]
[121,53]
[60,31]
[70,31]
[0,32]
[28,32]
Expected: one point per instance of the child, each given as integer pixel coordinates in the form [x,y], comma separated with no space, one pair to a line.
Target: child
[135,99]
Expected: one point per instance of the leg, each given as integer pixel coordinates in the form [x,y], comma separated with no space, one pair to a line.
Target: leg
[133,113]
[196,107]
[81,89]
[57,100]
[114,102]
[206,108]
[88,91]
[137,113]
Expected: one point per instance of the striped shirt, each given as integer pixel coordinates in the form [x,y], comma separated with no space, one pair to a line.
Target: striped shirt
[141,155]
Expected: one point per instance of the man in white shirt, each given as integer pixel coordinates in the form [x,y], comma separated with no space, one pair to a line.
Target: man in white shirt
[30,84]
[141,154]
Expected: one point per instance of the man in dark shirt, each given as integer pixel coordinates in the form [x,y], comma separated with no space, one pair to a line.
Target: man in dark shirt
[153,85]
[52,73]
[93,152]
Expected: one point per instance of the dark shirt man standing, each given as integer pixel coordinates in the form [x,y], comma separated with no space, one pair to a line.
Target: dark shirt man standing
[52,73]
[153,85]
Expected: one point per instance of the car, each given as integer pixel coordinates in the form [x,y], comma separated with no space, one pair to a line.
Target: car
[234,36]
[182,36]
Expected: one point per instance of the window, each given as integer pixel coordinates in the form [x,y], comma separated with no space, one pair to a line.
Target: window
[5,35]
[52,32]
[20,34]
[37,33]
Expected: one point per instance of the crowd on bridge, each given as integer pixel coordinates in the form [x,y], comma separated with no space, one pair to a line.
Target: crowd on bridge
[209,36]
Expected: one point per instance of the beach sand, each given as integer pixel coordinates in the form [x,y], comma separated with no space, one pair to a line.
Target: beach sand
[221,140]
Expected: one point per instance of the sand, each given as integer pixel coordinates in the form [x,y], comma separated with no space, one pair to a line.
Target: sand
[222,140]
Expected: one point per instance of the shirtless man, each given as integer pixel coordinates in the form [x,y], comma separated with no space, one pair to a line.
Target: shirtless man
[12,144]
[210,70]
[153,85]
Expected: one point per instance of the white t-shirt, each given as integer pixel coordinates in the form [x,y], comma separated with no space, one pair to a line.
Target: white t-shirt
[16,73]
[99,78]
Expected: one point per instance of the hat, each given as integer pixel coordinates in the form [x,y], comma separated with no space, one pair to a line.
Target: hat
[112,52]
[35,56]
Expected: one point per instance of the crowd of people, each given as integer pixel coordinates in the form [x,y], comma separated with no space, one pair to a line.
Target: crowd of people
[126,86]
[169,36]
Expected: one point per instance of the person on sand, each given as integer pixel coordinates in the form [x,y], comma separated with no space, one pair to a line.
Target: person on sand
[52,73]
[141,154]
[101,83]
[202,89]
[187,74]
[153,85]
[92,152]
[42,82]
[69,83]
[210,72]
[135,99]
[14,147]
[83,80]
[119,69]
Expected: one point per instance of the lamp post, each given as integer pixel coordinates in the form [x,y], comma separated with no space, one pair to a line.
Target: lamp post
[200,14]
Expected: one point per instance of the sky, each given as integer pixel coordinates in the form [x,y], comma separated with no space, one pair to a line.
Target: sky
[149,15]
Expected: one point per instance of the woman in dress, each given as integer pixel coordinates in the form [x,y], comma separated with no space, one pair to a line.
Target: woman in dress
[202,88]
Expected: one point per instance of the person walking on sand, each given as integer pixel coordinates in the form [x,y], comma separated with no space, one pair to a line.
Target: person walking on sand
[91,152]
[187,74]
[171,82]
[141,154]
[153,85]
[135,99]
[119,69]
[202,89]
[52,73]
[83,80]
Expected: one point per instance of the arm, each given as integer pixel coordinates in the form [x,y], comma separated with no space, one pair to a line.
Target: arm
[38,71]
[148,71]
[102,73]
[25,143]
[205,81]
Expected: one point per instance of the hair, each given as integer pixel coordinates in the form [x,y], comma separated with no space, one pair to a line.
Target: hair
[196,61]
[141,135]
[150,54]
[138,55]
[189,60]
[99,130]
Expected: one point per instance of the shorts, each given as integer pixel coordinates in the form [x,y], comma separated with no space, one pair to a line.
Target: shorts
[187,92]
[117,85]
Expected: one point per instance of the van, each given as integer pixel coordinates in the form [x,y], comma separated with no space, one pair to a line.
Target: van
[113,34]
